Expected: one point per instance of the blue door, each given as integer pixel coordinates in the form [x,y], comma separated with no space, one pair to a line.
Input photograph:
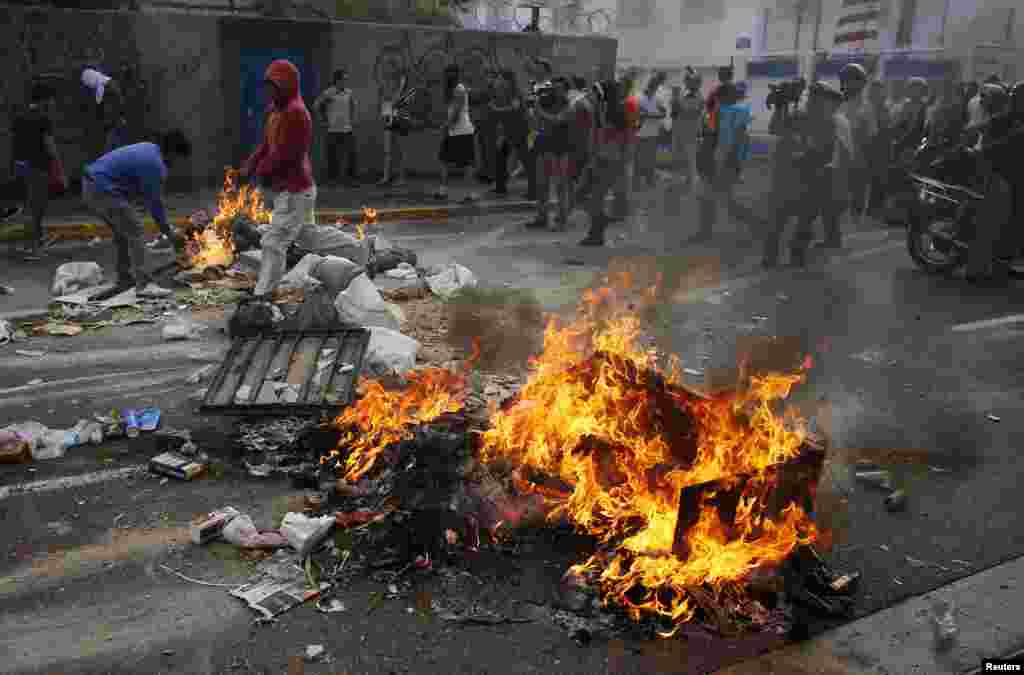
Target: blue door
[254,64]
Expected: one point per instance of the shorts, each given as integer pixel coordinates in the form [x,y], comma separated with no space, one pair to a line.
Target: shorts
[458,151]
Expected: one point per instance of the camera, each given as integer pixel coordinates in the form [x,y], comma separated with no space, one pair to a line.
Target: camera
[541,93]
[785,93]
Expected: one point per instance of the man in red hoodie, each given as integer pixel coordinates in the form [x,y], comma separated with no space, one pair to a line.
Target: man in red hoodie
[281,167]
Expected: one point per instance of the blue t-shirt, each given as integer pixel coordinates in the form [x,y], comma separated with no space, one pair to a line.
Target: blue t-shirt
[136,170]
[733,120]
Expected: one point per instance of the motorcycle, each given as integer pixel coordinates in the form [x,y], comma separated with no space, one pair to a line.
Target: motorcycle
[941,224]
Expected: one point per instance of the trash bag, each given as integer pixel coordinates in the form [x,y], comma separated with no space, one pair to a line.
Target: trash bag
[317,312]
[449,279]
[302,275]
[74,276]
[336,273]
[361,304]
[391,258]
[390,352]
[252,318]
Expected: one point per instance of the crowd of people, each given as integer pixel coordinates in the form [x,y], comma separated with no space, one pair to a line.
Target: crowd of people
[573,139]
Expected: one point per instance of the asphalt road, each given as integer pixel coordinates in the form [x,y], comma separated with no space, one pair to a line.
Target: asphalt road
[81,580]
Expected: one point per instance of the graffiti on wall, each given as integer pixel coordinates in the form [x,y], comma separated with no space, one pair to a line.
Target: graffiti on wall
[424,67]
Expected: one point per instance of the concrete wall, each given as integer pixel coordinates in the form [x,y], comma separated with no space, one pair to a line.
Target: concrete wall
[183,70]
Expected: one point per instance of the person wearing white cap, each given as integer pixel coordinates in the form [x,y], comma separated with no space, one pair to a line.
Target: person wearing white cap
[98,83]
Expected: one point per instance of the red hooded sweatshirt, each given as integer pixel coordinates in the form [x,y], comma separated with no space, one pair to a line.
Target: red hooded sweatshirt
[283,156]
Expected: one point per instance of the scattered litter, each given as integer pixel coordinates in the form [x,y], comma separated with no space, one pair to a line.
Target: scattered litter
[35,381]
[845,582]
[694,372]
[881,479]
[937,469]
[314,652]
[75,276]
[301,276]
[303,533]
[897,581]
[176,466]
[330,606]
[119,517]
[6,290]
[873,356]
[445,281]
[404,271]
[897,501]
[943,614]
[272,597]
[963,563]
[149,419]
[6,332]
[759,318]
[259,470]
[782,297]
[197,581]
[181,329]
[993,418]
[212,526]
[241,531]
[168,652]
[336,273]
[59,328]
[201,374]
[33,353]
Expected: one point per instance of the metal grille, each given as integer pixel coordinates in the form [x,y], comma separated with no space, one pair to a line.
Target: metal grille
[289,372]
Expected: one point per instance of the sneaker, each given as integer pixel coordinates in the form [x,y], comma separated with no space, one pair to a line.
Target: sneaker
[383,182]
[441,194]
[151,290]
[592,241]
[10,212]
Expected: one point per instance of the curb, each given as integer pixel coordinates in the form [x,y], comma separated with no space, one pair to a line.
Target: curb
[988,620]
[85,231]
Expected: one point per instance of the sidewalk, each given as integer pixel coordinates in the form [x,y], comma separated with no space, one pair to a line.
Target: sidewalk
[900,640]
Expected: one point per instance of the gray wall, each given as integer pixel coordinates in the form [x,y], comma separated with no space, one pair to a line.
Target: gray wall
[183,71]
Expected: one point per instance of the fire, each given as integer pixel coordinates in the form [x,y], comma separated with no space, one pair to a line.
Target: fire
[385,416]
[369,218]
[588,422]
[214,245]
[606,437]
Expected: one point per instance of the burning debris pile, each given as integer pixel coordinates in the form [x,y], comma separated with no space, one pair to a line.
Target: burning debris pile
[211,242]
[689,497]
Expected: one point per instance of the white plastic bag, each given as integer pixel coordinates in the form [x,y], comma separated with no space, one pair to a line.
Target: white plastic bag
[327,240]
[301,276]
[75,276]
[449,279]
[303,533]
[336,273]
[6,332]
[390,352]
[243,533]
[361,303]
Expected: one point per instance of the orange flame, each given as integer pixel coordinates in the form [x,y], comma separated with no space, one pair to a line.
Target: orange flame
[584,418]
[214,245]
[559,413]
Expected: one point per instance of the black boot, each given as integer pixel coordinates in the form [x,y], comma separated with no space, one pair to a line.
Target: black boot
[798,256]
[595,237]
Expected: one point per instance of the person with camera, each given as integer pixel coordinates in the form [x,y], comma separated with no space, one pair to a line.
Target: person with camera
[810,147]
[556,118]
[458,146]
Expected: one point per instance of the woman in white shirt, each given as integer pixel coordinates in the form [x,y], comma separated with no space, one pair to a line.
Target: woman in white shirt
[653,112]
[458,148]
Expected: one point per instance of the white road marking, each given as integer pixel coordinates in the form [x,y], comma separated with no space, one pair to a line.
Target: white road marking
[68,482]
[988,323]
[95,390]
[46,384]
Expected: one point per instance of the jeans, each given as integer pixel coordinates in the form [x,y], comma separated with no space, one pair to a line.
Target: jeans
[393,157]
[814,196]
[523,154]
[341,149]
[37,184]
[292,211]
[609,174]
[127,229]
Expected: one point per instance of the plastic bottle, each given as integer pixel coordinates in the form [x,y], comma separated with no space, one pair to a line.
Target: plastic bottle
[131,423]
[944,622]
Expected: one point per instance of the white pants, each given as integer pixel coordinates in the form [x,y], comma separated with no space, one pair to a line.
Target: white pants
[292,212]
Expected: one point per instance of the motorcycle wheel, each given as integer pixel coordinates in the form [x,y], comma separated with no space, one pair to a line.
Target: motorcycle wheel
[929,242]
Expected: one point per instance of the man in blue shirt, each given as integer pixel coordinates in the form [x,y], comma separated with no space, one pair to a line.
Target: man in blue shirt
[108,185]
